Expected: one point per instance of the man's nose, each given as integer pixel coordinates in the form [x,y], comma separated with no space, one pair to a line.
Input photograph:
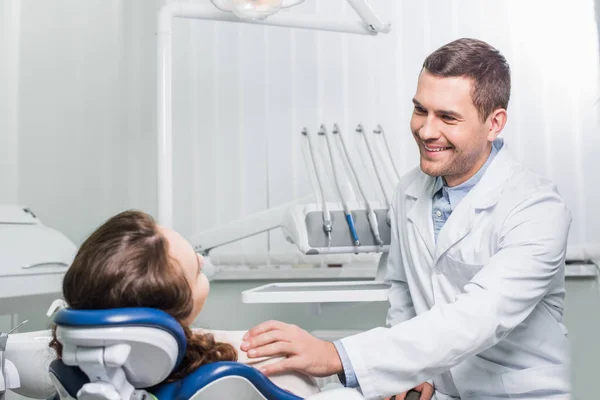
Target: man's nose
[428,131]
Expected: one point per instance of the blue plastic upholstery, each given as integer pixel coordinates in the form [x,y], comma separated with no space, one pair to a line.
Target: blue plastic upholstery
[187,387]
[138,316]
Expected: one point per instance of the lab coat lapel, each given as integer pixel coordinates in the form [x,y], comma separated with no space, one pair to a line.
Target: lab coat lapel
[420,214]
[456,227]
[484,195]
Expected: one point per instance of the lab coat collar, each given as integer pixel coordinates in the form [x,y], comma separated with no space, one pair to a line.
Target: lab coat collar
[487,192]
[422,190]
[484,195]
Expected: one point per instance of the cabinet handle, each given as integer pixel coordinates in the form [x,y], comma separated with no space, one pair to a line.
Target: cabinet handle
[46,264]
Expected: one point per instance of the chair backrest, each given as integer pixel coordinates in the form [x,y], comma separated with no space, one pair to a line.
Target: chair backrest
[220,380]
[140,346]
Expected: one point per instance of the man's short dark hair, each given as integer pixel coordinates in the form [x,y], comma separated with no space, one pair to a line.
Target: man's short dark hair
[477,60]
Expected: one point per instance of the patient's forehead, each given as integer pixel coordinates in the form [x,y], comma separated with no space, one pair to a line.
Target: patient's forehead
[180,249]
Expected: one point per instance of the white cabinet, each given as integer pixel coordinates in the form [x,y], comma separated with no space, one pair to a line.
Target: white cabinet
[33,257]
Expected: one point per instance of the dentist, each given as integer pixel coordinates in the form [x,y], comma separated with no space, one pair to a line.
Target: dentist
[476,263]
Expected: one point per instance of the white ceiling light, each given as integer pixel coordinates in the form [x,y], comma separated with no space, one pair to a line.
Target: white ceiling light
[254,9]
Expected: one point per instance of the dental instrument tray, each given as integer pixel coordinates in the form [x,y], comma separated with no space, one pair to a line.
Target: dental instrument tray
[318,292]
[302,225]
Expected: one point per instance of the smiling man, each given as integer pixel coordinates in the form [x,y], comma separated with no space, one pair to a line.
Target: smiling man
[476,262]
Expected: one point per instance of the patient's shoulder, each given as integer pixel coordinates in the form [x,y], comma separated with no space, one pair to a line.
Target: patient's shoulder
[295,382]
[234,338]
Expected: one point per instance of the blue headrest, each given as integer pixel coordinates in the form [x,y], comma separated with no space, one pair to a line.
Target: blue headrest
[138,316]
[209,373]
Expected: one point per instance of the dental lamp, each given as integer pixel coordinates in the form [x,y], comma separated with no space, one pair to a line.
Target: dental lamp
[254,9]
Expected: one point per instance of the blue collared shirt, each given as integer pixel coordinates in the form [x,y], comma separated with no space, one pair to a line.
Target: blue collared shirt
[445,200]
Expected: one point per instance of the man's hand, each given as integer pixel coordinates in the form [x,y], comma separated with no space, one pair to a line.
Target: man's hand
[304,352]
[426,392]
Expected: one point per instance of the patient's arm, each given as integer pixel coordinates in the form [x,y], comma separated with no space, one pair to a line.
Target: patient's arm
[295,382]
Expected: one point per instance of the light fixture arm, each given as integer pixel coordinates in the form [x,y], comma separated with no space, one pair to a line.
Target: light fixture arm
[366,13]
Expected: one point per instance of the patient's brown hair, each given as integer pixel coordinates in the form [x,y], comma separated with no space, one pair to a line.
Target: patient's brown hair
[126,263]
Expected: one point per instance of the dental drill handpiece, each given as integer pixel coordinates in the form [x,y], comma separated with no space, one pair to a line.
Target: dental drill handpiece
[347,211]
[370,213]
[327,225]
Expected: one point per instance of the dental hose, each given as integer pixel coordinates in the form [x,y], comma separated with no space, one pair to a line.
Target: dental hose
[379,130]
[347,211]
[327,225]
[359,130]
[370,213]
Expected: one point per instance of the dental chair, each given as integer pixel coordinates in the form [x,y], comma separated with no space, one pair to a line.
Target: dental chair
[127,353]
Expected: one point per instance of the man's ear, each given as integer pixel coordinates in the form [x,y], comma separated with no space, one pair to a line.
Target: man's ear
[497,121]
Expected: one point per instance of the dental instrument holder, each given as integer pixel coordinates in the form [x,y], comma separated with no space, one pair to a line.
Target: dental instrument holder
[302,225]
[342,240]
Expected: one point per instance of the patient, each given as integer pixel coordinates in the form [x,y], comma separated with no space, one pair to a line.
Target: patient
[130,261]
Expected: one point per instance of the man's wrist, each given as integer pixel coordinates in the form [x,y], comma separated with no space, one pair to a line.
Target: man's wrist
[348,376]
[335,362]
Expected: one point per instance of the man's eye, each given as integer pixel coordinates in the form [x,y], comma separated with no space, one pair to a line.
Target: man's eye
[448,118]
[419,110]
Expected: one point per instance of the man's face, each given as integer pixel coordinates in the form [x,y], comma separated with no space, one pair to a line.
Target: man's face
[452,140]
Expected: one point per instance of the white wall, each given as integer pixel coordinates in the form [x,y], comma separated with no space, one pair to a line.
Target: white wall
[9,78]
[84,106]
[9,73]
[243,93]
[79,79]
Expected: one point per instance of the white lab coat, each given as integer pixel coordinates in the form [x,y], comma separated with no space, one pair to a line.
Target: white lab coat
[480,311]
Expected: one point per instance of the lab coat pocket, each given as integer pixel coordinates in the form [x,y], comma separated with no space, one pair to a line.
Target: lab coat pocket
[458,272]
[543,381]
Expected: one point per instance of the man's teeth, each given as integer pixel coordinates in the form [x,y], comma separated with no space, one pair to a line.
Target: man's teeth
[438,149]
